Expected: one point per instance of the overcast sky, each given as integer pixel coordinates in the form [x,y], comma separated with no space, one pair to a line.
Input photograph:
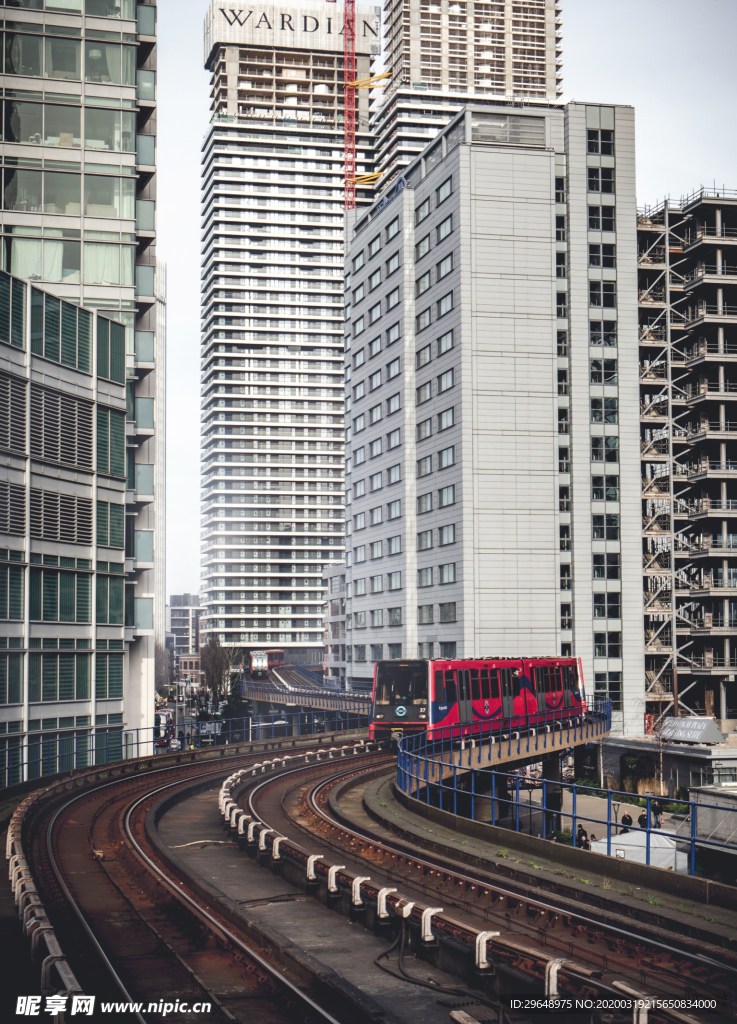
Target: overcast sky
[673,60]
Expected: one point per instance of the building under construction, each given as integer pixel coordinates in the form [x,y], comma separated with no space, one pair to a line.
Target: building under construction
[687,256]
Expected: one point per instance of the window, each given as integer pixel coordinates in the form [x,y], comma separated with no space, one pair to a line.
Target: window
[394,474]
[447,495]
[424,393]
[375,480]
[423,320]
[607,567]
[377,550]
[424,503]
[444,191]
[358,262]
[448,650]
[446,457]
[448,572]
[561,307]
[375,414]
[564,465]
[560,229]
[359,622]
[603,332]
[610,688]
[445,266]
[560,264]
[605,449]
[359,488]
[600,141]
[359,423]
[110,436]
[604,371]
[375,515]
[445,304]
[608,606]
[447,534]
[604,410]
[601,218]
[446,419]
[422,211]
[445,343]
[566,616]
[424,466]
[602,256]
[445,381]
[605,527]
[375,448]
[564,532]
[358,293]
[392,369]
[392,229]
[359,390]
[424,577]
[392,334]
[360,649]
[360,521]
[359,358]
[423,283]
[562,340]
[564,499]
[374,280]
[422,247]
[445,227]
[359,553]
[601,179]
[392,299]
[392,264]
[424,650]
[565,577]
[394,580]
[374,313]
[394,509]
[394,544]
[605,488]
[424,614]
[359,587]
[394,439]
[358,326]
[395,619]
[424,540]
[374,381]
[603,293]
[377,650]
[608,645]
[424,429]
[374,246]
[448,612]
[562,421]
[423,357]
[374,347]
[376,584]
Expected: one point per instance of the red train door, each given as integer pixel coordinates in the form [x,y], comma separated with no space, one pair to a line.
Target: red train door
[507,692]
[465,706]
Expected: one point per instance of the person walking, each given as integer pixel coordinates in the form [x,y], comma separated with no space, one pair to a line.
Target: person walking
[642,820]
[656,809]
[626,822]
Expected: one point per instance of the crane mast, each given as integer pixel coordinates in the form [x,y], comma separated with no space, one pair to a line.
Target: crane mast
[349,101]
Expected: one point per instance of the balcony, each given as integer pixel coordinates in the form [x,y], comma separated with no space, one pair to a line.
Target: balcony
[708,388]
[652,335]
[710,347]
[707,311]
[711,506]
[711,468]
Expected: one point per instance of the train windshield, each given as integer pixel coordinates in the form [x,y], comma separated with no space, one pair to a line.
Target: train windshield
[401,682]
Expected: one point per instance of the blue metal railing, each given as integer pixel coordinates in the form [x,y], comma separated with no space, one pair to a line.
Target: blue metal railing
[453,771]
[307,695]
[43,755]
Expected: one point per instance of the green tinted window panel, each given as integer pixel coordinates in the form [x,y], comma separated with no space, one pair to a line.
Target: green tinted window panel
[83,676]
[117,352]
[37,322]
[115,675]
[103,347]
[52,325]
[84,597]
[103,439]
[49,677]
[68,334]
[4,592]
[67,606]
[5,307]
[66,676]
[117,526]
[103,531]
[115,605]
[15,593]
[84,340]
[50,596]
[34,677]
[117,443]
[102,599]
[11,679]
[18,315]
[34,595]
[101,676]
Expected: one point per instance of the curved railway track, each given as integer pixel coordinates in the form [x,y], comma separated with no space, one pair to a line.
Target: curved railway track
[535,926]
[131,933]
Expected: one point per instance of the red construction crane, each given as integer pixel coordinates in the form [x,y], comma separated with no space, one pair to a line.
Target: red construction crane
[349,103]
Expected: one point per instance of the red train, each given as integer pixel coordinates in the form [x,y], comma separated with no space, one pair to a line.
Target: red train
[414,696]
[275,659]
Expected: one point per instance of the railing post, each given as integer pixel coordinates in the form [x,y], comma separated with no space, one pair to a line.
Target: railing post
[609,824]
[455,791]
[493,798]
[516,803]
[573,817]
[473,795]
[647,835]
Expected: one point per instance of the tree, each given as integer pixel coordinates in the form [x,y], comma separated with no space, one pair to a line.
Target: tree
[163,669]
[215,663]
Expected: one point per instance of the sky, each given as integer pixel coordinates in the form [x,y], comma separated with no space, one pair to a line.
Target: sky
[673,60]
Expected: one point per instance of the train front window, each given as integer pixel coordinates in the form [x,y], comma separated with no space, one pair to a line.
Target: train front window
[401,683]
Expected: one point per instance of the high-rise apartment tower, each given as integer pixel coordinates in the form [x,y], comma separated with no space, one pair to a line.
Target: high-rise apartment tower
[272,306]
[80,376]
